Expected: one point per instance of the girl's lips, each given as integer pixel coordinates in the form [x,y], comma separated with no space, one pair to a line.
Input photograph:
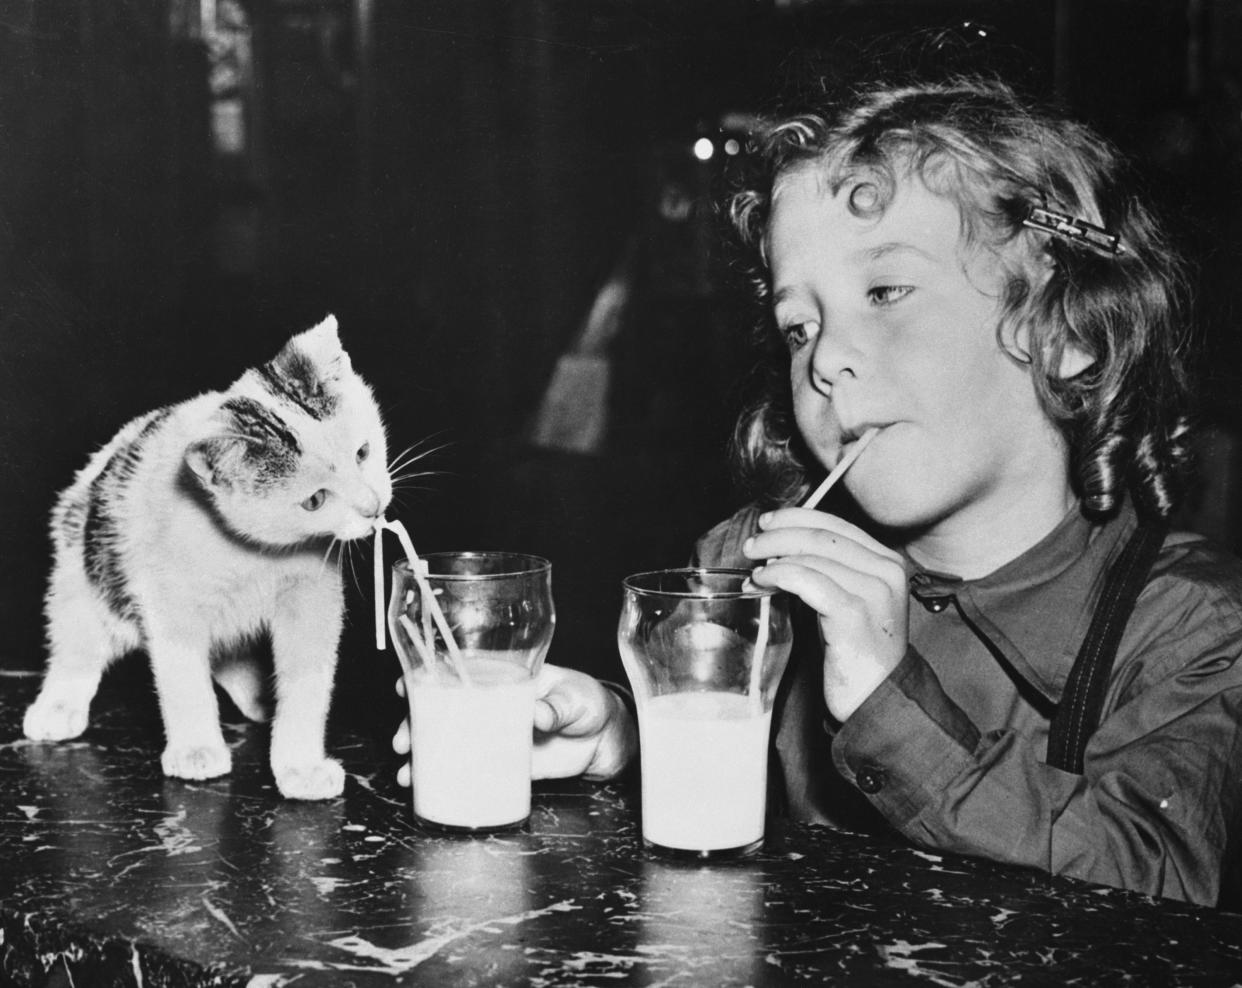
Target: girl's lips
[851,436]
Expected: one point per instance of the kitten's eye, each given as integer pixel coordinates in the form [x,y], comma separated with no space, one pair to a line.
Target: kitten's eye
[364,451]
[315,501]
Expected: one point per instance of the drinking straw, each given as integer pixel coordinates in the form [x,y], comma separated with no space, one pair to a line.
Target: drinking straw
[377,585]
[839,470]
[430,604]
[761,646]
[765,604]
[421,647]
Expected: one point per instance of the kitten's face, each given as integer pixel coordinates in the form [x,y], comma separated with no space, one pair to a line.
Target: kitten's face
[300,452]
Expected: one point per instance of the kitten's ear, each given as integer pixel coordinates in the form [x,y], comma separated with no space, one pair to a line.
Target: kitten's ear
[205,460]
[321,346]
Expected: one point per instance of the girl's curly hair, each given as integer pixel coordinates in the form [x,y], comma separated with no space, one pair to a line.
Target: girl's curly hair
[973,140]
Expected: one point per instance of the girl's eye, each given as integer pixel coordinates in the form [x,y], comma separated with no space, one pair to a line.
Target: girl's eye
[888,294]
[364,451]
[315,501]
[797,335]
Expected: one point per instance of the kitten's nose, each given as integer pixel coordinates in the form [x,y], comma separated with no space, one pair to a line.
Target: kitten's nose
[373,508]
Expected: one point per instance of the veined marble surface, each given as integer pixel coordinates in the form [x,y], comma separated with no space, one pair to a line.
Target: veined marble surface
[111,874]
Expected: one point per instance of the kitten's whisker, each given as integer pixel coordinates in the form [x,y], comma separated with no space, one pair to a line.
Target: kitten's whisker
[348,554]
[405,464]
[397,456]
[411,487]
[396,478]
[414,474]
[413,448]
[323,565]
[409,456]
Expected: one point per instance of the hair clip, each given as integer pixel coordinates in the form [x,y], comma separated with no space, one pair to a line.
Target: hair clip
[1072,228]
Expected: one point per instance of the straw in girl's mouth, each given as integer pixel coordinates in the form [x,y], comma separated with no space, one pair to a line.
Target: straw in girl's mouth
[843,464]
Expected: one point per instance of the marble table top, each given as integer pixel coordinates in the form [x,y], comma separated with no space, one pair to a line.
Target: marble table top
[111,874]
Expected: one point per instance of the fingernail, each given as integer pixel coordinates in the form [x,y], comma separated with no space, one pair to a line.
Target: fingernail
[748,544]
[764,519]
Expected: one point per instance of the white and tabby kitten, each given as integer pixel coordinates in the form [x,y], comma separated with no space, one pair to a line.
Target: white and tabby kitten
[204,525]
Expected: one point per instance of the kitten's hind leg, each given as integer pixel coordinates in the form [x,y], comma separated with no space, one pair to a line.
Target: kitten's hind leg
[243,678]
[83,637]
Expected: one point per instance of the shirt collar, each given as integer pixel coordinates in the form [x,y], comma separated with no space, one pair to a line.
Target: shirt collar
[1036,608]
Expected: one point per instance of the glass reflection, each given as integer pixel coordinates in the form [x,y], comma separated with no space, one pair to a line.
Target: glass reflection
[704,917]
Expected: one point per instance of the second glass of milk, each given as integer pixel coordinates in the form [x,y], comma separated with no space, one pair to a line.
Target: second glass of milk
[704,650]
[472,707]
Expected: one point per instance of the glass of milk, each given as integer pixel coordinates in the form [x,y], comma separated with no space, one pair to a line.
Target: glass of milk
[704,650]
[472,707]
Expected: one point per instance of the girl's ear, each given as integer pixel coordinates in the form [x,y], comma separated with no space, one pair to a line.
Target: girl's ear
[1016,338]
[1074,360]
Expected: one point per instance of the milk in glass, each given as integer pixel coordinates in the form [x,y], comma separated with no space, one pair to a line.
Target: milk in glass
[704,770]
[470,746]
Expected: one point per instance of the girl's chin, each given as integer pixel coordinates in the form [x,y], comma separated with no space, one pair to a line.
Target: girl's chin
[891,501]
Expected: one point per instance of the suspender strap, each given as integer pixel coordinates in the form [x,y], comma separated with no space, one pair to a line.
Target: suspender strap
[1078,713]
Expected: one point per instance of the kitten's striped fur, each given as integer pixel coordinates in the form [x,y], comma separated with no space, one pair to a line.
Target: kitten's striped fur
[204,525]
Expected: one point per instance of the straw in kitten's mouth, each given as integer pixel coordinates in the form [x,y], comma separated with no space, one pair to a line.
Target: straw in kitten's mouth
[419,570]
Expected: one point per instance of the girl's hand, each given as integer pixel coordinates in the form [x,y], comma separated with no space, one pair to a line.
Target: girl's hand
[581,728]
[855,584]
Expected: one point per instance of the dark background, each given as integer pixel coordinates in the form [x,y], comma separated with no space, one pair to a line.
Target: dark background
[456,180]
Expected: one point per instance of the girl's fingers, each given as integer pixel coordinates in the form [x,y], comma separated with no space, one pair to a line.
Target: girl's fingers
[808,544]
[875,587]
[858,615]
[401,740]
[810,519]
[547,718]
[816,586]
[569,702]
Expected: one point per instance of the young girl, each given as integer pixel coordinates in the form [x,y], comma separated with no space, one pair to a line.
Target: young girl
[1010,656]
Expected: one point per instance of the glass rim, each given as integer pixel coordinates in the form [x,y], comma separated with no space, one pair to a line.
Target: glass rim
[753,593]
[525,564]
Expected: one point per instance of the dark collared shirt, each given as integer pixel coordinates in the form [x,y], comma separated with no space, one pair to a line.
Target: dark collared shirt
[950,749]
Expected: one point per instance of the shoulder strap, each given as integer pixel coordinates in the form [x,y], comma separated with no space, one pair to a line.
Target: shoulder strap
[1078,713]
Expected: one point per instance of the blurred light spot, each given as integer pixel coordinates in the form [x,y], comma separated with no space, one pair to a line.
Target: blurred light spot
[732,146]
[704,149]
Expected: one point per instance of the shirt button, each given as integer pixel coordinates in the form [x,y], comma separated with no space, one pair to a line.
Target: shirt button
[871,780]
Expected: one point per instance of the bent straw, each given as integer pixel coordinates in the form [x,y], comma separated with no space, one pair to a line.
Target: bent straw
[839,470]
[377,585]
[419,569]
[430,604]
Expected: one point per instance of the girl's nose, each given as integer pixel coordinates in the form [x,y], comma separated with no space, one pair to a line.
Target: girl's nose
[831,359]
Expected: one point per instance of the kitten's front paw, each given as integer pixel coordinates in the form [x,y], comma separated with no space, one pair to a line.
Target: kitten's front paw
[196,761]
[52,718]
[323,779]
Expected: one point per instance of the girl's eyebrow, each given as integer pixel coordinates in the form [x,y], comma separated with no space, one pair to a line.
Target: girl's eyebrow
[892,247]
